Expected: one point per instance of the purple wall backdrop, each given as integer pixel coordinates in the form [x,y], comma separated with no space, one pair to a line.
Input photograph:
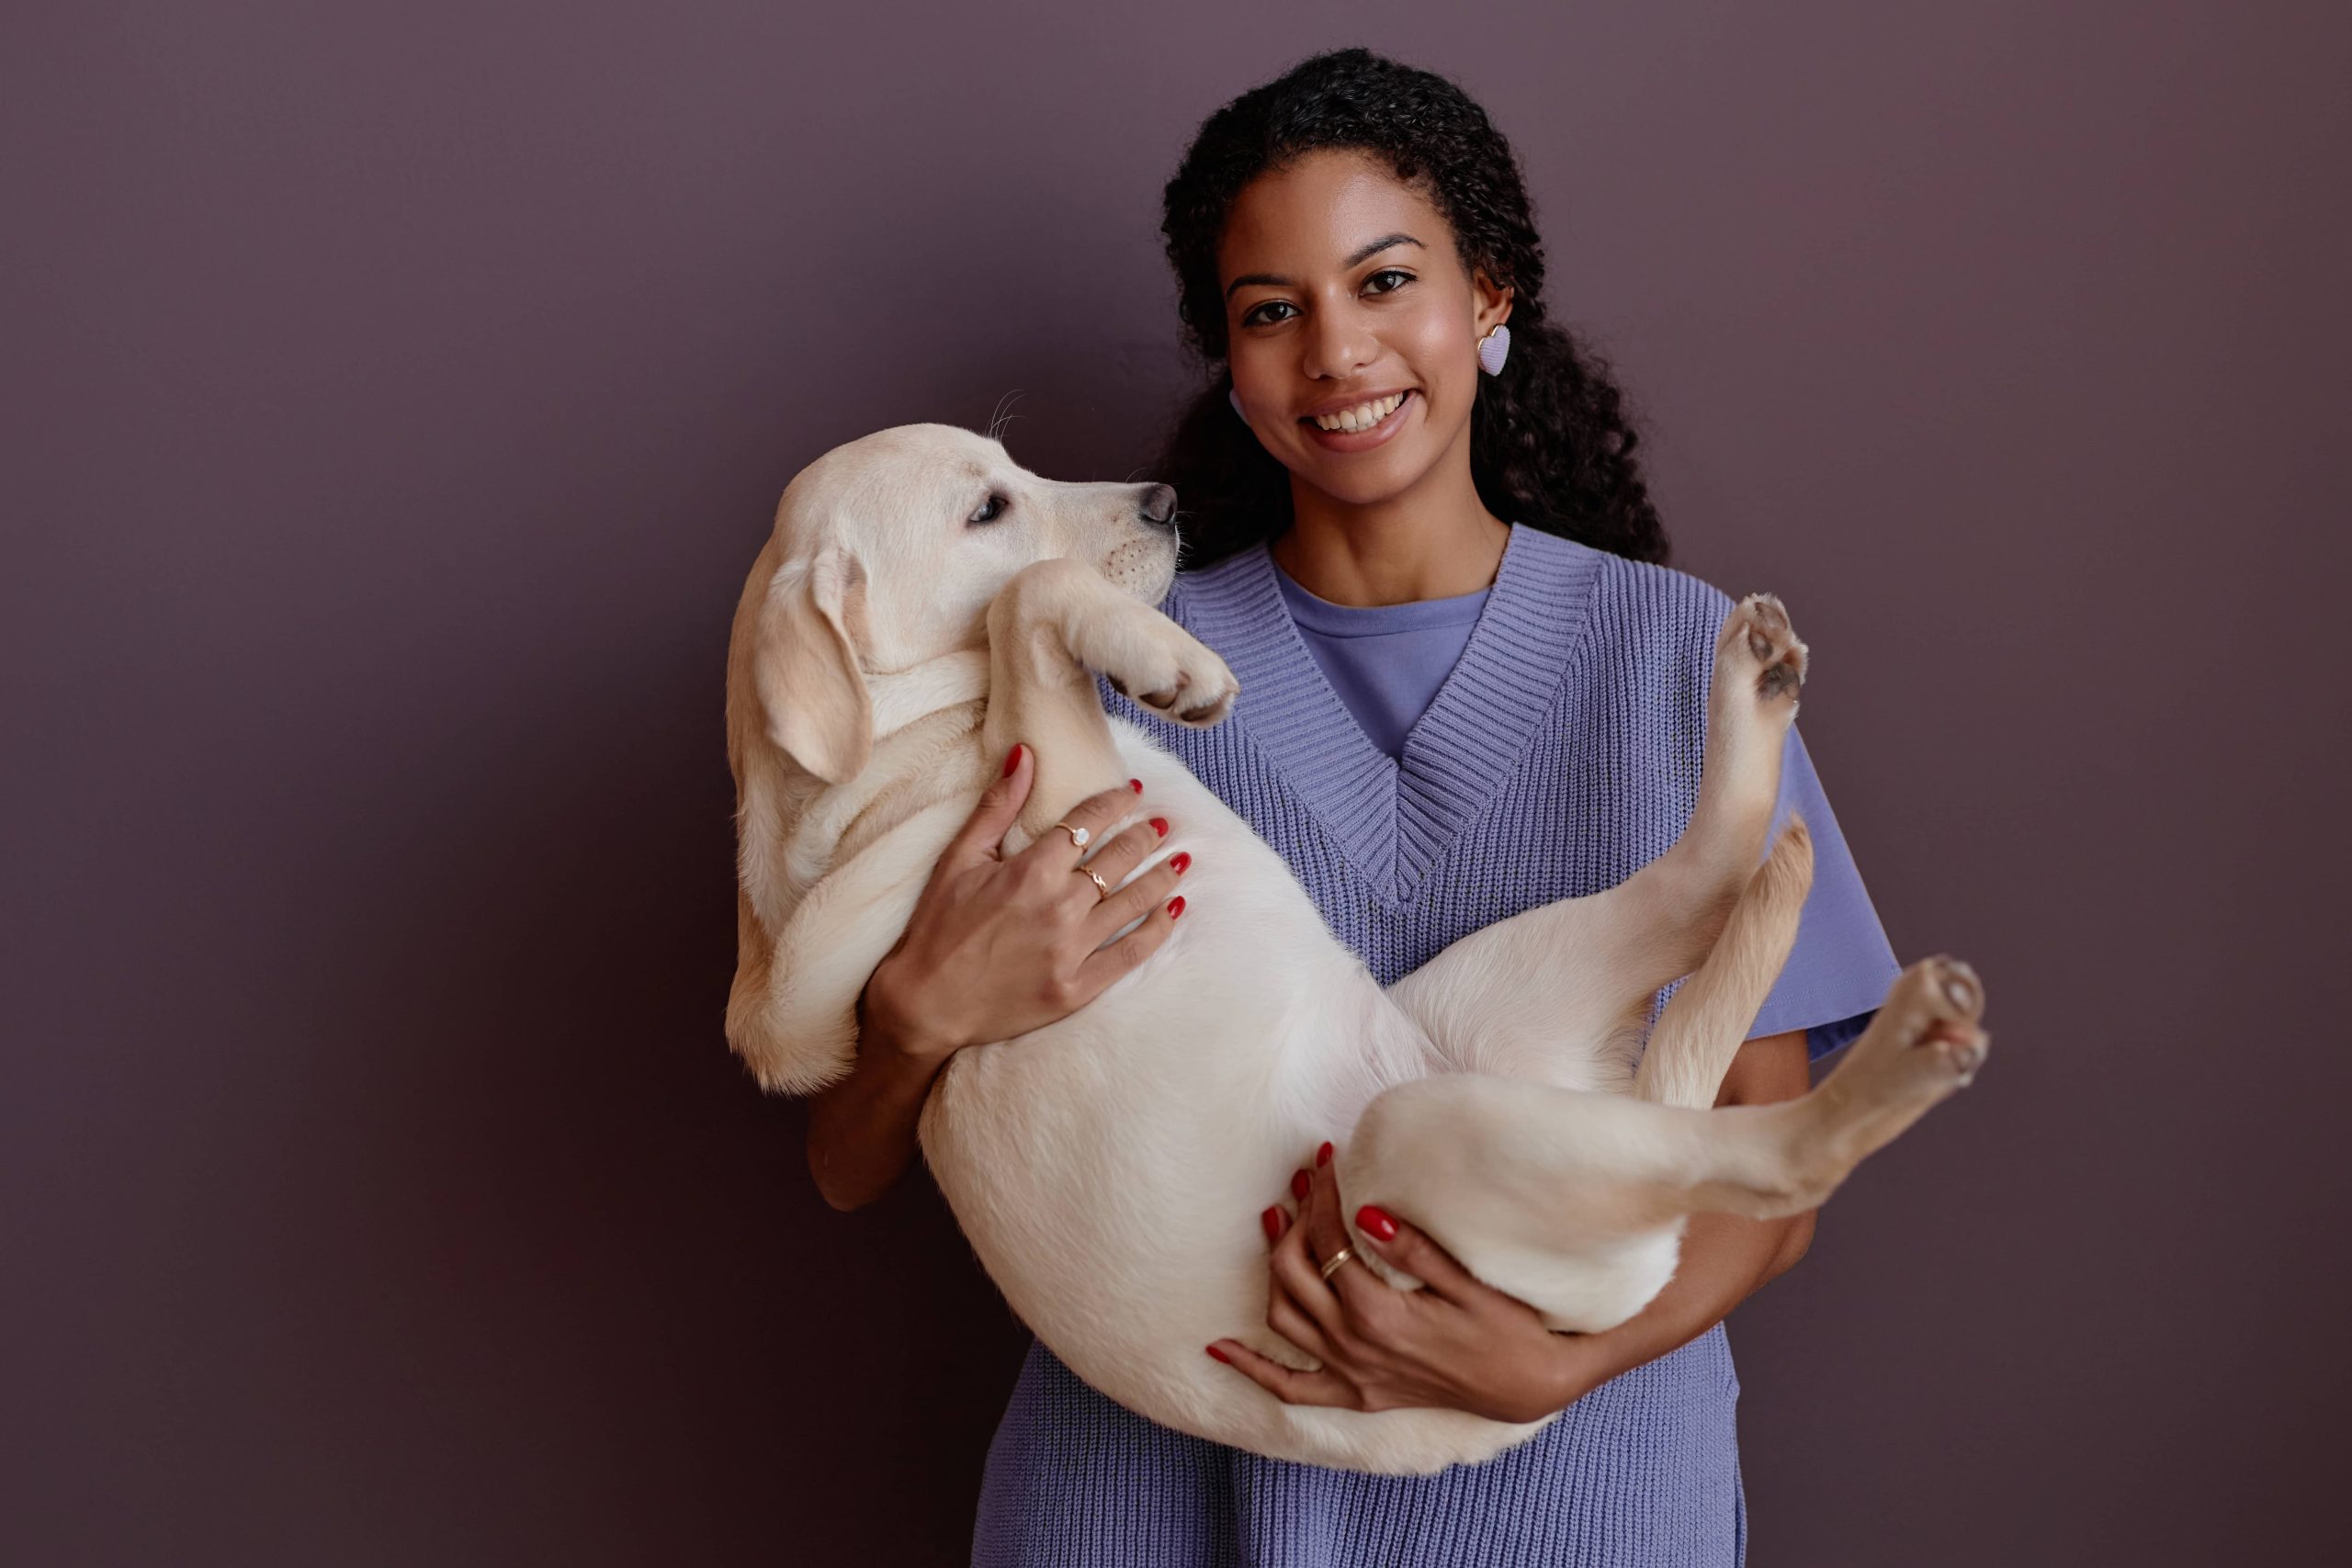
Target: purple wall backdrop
[396,396]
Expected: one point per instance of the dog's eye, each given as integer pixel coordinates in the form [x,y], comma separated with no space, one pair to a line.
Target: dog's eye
[992,512]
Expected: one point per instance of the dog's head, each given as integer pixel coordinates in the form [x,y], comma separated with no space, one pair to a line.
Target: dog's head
[887,552]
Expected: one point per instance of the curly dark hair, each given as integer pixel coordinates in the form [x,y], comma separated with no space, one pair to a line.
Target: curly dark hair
[1550,446]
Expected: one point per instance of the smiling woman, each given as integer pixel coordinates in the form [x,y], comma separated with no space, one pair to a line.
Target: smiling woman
[1470,685]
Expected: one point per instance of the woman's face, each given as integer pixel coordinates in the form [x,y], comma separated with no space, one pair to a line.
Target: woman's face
[1343,287]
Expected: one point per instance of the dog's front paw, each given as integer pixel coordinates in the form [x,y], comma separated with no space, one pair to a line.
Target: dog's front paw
[1177,676]
[1758,639]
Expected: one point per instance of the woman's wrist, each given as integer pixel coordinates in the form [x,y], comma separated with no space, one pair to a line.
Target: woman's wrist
[1574,1372]
[884,1028]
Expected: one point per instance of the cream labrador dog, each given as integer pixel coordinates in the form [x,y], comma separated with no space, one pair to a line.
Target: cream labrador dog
[922,604]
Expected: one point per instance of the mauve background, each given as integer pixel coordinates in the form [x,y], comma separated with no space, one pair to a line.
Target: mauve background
[395,398]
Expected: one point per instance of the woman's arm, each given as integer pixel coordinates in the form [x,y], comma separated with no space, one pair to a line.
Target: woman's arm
[1461,1344]
[862,1130]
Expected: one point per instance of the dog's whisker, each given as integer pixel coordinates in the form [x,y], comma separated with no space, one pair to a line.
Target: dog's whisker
[1001,415]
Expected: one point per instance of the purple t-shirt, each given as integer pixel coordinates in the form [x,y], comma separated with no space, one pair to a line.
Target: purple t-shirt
[1386,662]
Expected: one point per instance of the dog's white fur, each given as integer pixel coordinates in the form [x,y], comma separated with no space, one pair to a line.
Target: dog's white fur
[887,653]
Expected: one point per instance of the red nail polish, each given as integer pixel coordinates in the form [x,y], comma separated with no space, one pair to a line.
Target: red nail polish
[1180,859]
[1175,906]
[1323,1155]
[1300,1185]
[1220,1355]
[1011,760]
[1136,784]
[1374,1223]
[1273,1220]
[1159,826]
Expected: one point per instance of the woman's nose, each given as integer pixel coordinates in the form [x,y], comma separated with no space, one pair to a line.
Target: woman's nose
[1339,342]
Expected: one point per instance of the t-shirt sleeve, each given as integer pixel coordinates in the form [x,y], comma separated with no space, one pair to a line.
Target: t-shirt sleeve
[1840,967]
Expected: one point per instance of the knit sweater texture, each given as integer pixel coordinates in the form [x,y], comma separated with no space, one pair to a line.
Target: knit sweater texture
[1559,755]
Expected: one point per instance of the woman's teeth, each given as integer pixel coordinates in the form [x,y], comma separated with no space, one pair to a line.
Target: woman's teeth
[1363,416]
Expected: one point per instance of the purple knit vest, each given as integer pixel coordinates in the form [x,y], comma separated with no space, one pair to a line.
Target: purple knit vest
[1560,755]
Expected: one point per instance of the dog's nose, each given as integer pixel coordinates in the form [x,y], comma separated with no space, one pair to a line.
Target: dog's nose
[1159,505]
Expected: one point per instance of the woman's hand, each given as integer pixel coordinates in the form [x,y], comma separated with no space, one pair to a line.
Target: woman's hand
[1455,1343]
[1466,1345]
[1001,944]
[997,945]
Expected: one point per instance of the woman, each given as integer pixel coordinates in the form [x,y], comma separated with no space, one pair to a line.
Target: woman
[1470,685]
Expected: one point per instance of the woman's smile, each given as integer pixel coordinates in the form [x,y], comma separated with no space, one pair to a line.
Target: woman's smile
[1367,437]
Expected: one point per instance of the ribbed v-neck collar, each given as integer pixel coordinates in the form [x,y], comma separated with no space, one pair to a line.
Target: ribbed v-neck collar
[1393,818]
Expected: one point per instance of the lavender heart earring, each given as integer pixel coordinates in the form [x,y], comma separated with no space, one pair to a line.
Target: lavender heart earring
[1233,396]
[1492,348]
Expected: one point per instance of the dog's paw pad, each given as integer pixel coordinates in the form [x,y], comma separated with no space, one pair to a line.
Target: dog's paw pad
[1761,623]
[1955,987]
[1936,1005]
[1959,1047]
[1768,622]
[1209,707]
[1966,1054]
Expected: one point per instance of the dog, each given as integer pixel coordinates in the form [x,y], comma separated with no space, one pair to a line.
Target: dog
[923,602]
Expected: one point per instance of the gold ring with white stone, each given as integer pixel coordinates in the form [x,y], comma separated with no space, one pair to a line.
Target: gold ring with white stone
[1078,836]
[1337,1258]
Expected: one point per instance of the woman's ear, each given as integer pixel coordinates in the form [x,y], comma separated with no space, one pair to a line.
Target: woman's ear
[805,665]
[1490,297]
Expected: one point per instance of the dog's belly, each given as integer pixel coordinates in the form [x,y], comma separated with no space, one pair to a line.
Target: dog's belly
[1109,1169]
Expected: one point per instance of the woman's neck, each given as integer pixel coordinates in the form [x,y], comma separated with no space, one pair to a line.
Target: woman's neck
[1391,553]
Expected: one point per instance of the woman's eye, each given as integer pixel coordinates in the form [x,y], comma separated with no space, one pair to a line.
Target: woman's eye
[1252,318]
[992,512]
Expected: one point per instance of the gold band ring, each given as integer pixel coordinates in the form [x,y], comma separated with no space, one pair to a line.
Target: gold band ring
[1337,1258]
[1078,836]
[1103,886]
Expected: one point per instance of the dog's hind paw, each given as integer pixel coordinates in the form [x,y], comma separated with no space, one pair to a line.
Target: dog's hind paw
[1758,629]
[1932,1029]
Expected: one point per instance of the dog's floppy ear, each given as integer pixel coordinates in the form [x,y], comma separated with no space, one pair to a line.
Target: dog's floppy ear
[805,665]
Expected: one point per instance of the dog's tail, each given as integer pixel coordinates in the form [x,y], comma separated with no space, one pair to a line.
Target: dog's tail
[1704,1022]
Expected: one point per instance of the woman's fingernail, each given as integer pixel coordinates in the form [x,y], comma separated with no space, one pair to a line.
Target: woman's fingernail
[1011,760]
[1376,1223]
[1300,1184]
[1220,1355]
[1136,784]
[1159,826]
[1323,1155]
[1175,906]
[1180,859]
[1273,1220]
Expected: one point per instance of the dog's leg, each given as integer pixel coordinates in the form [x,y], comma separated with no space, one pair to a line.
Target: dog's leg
[1693,1043]
[1574,1202]
[1049,627]
[1499,999]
